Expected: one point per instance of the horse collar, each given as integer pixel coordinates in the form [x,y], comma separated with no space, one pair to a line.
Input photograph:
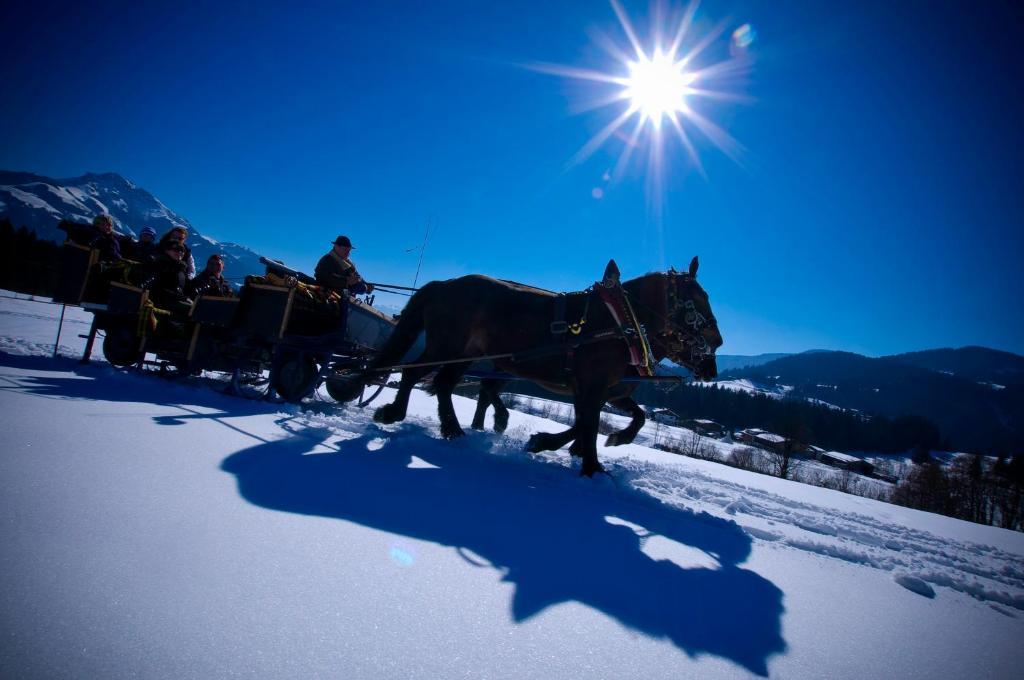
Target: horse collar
[614,298]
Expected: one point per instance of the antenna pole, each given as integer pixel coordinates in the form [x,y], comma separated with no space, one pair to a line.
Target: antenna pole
[422,250]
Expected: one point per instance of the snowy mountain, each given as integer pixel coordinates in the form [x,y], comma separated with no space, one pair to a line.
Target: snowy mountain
[40,203]
[730,361]
[154,528]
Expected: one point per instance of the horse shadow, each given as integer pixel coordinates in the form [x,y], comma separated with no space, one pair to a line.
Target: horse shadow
[554,546]
[548,535]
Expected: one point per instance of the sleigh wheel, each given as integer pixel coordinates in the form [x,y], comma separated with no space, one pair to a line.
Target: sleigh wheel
[250,384]
[295,377]
[121,346]
[341,390]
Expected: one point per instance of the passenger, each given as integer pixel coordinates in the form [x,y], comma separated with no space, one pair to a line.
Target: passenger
[180,234]
[104,240]
[336,272]
[210,281]
[147,249]
[166,278]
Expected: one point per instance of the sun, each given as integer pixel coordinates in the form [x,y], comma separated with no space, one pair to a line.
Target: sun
[657,87]
[662,84]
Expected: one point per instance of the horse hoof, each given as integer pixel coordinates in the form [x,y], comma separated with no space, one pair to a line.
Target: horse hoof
[590,469]
[386,415]
[618,439]
[452,432]
[500,423]
[534,443]
[542,441]
[477,425]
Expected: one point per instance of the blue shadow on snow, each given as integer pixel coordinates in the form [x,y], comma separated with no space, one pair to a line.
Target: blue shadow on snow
[545,529]
[553,543]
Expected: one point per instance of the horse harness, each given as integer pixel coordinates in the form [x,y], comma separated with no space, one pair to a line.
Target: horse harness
[676,339]
[628,326]
[686,340]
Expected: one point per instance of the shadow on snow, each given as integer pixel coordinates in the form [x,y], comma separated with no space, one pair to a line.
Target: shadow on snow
[543,528]
[547,533]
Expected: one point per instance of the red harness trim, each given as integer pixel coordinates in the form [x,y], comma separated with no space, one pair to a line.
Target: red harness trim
[614,299]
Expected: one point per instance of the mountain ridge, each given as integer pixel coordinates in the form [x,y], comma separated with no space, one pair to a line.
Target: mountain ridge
[973,414]
[40,203]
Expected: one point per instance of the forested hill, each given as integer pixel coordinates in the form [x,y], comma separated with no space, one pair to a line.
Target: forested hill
[954,388]
[979,364]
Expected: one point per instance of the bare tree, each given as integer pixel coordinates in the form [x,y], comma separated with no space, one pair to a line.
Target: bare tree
[781,462]
[696,445]
[743,457]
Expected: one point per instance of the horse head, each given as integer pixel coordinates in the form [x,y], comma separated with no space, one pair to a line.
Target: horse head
[690,333]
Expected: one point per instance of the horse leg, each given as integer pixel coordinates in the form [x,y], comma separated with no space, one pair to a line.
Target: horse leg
[485,398]
[490,395]
[500,412]
[627,434]
[444,382]
[481,410]
[589,401]
[550,441]
[395,411]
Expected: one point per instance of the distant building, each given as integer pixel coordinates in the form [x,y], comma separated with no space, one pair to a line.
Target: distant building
[845,461]
[708,428]
[770,441]
[665,415]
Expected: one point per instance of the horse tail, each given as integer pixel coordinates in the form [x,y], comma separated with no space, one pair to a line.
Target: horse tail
[410,325]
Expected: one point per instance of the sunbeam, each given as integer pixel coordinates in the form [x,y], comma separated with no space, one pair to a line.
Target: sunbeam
[658,81]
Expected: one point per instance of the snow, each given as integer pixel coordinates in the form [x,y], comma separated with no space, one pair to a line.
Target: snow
[744,385]
[826,404]
[29,199]
[162,529]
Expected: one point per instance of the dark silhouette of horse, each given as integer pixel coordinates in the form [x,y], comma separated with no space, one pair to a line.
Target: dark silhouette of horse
[516,325]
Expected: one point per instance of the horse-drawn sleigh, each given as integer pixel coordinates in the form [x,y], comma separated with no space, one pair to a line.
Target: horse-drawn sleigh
[283,335]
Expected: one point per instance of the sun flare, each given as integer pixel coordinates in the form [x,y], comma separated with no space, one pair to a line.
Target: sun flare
[663,79]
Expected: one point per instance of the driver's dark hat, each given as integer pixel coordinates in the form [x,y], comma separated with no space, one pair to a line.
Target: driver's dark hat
[343,241]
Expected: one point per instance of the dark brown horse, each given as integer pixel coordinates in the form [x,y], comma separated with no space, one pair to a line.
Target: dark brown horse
[477,316]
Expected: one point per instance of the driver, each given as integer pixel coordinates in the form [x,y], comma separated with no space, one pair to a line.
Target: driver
[336,272]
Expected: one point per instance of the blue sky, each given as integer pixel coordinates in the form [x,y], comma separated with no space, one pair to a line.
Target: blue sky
[876,206]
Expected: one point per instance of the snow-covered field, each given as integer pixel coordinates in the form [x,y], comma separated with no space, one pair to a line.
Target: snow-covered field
[159,529]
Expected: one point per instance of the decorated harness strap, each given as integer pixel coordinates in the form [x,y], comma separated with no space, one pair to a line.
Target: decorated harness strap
[614,298]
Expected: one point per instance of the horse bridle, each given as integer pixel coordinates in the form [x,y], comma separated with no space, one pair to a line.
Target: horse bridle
[687,339]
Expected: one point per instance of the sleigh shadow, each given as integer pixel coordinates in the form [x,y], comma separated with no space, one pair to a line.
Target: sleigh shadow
[554,546]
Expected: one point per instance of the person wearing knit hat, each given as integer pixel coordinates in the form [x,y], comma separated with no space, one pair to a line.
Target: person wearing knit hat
[147,249]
